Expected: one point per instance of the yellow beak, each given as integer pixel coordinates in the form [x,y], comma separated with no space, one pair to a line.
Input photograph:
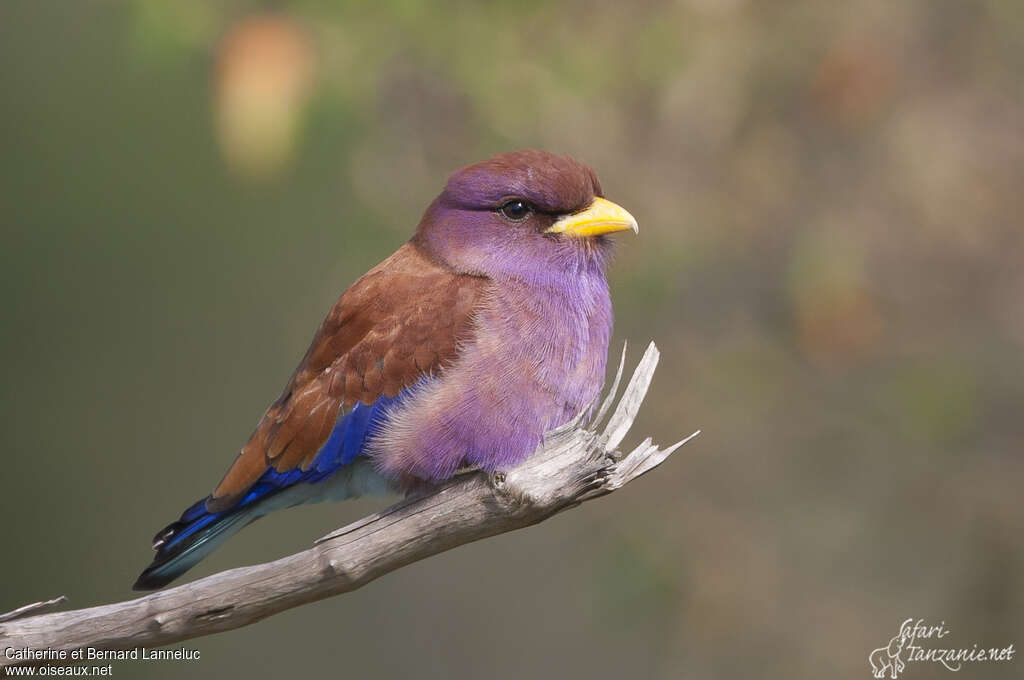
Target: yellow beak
[602,217]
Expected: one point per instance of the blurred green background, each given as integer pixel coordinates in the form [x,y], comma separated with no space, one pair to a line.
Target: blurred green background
[831,258]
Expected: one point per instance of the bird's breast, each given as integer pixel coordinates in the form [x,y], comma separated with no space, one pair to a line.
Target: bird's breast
[548,345]
[535,359]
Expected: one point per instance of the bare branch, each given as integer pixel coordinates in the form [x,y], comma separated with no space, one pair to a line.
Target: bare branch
[34,608]
[575,463]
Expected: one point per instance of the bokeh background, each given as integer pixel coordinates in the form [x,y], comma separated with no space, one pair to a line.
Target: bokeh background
[831,258]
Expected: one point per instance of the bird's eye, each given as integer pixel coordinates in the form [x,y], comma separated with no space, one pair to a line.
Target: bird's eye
[515,210]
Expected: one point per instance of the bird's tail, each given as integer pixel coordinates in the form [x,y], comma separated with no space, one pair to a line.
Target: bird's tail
[182,544]
[198,532]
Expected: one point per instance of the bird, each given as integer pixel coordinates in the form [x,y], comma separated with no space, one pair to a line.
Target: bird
[488,328]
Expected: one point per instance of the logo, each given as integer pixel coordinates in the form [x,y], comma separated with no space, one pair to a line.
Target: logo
[918,642]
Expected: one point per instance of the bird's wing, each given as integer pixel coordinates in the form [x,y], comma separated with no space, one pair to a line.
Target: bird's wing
[401,321]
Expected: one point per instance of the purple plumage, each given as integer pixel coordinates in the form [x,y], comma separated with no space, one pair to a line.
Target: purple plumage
[537,352]
[489,328]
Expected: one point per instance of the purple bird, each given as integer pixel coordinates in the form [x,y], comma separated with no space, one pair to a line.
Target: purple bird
[484,331]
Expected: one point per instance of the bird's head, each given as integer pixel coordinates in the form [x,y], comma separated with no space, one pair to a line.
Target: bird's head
[529,214]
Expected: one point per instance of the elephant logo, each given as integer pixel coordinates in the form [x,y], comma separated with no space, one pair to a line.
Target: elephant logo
[888,658]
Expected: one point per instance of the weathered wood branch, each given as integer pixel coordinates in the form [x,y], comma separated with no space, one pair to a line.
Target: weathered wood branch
[576,463]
